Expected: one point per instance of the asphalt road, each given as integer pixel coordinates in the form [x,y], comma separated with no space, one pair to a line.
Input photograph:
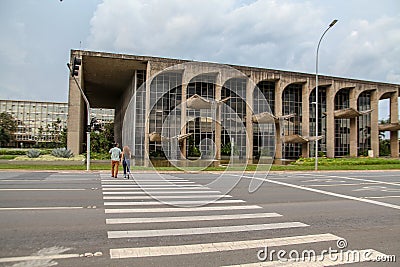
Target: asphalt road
[185,219]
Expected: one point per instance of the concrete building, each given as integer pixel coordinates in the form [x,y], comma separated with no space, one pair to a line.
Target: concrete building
[37,121]
[145,90]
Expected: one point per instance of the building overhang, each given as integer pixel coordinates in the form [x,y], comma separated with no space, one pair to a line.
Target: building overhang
[106,78]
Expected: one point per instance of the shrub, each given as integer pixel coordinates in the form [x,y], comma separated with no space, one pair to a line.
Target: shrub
[33,153]
[15,152]
[62,153]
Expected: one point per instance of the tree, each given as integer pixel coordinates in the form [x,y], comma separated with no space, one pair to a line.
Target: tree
[102,139]
[8,126]
[384,144]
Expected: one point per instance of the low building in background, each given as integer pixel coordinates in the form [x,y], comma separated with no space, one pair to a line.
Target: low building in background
[43,122]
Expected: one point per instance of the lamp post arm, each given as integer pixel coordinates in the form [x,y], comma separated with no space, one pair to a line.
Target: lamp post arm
[316,93]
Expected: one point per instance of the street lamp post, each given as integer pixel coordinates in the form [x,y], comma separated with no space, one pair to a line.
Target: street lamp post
[316,95]
[72,70]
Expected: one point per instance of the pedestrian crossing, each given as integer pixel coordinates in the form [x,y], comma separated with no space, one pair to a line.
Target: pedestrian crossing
[176,217]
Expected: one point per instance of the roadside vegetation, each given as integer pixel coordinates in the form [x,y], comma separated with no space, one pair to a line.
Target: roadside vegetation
[303,164]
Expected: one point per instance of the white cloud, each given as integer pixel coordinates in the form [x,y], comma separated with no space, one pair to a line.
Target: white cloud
[263,33]
[371,50]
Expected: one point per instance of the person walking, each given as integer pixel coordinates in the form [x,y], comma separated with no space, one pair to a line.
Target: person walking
[126,160]
[115,159]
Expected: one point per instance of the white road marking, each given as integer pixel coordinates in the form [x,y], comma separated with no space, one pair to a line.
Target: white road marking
[183,202]
[106,192]
[162,183]
[36,258]
[377,188]
[121,253]
[323,192]
[351,178]
[326,180]
[328,185]
[164,197]
[192,218]
[41,189]
[384,197]
[155,189]
[244,207]
[147,181]
[21,180]
[48,257]
[169,186]
[41,208]
[203,231]
[334,259]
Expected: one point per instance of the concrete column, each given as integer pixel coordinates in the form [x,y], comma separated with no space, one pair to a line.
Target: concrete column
[394,118]
[147,115]
[353,125]
[218,128]
[305,127]
[183,116]
[249,121]
[76,115]
[118,117]
[278,112]
[330,121]
[374,123]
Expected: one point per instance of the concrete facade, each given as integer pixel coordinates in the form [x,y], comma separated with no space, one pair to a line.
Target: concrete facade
[110,81]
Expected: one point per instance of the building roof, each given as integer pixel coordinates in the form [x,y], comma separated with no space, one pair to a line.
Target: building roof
[107,75]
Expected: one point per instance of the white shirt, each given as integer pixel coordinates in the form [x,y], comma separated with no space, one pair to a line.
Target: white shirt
[115,153]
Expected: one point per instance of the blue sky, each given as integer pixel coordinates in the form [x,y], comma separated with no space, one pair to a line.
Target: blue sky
[37,36]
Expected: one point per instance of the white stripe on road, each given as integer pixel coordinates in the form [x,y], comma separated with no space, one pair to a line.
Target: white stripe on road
[41,208]
[149,183]
[333,259]
[22,180]
[384,197]
[153,185]
[145,193]
[351,178]
[164,197]
[155,188]
[244,207]
[203,231]
[147,180]
[192,218]
[38,258]
[121,253]
[323,192]
[327,185]
[41,189]
[183,202]
[47,257]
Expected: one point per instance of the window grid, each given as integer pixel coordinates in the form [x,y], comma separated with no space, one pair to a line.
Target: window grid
[364,124]
[234,117]
[292,104]
[264,134]
[165,95]
[201,122]
[342,126]
[321,122]
[140,114]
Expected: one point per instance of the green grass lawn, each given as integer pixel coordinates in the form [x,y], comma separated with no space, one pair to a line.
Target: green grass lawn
[300,165]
